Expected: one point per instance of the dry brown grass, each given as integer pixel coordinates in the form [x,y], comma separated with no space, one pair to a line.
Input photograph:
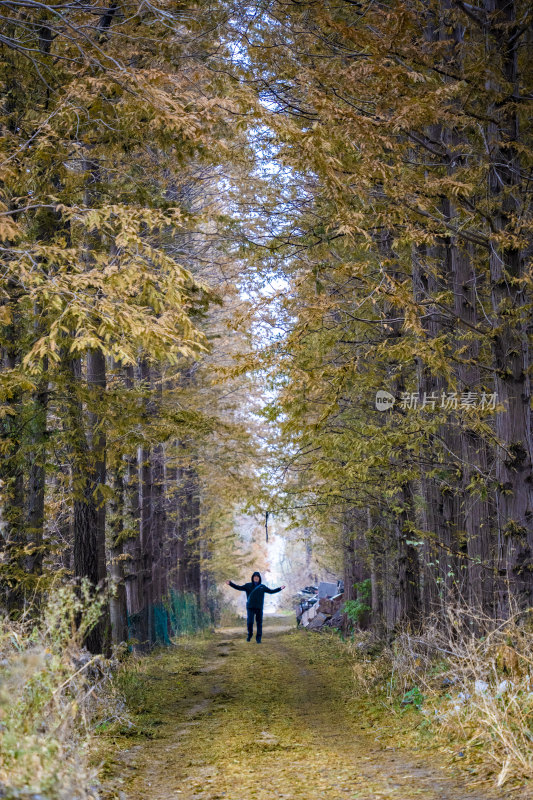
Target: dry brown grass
[475,690]
[53,696]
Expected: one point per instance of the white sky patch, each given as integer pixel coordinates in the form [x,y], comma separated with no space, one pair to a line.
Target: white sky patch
[274,578]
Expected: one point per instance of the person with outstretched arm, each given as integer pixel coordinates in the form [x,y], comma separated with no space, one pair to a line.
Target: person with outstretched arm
[255,595]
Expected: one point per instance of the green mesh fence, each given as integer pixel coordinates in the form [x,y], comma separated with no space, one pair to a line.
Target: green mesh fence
[161,625]
[179,613]
[184,612]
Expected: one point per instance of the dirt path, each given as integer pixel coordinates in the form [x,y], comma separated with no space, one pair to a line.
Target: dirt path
[224,718]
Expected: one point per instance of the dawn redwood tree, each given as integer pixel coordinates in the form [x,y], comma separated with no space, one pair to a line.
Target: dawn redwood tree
[91,285]
[411,120]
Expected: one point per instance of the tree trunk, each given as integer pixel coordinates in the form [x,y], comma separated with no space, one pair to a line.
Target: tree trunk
[376,548]
[356,560]
[477,512]
[158,500]
[512,358]
[132,546]
[96,380]
[117,596]
[11,471]
[88,475]
[409,607]
[147,529]
[37,475]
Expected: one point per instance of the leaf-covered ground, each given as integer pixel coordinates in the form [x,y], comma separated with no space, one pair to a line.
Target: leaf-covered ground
[219,717]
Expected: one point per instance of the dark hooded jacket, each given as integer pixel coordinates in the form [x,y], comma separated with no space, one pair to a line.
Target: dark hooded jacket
[255,592]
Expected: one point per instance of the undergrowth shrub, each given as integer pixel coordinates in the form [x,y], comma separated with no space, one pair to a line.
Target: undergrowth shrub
[53,694]
[471,679]
[357,609]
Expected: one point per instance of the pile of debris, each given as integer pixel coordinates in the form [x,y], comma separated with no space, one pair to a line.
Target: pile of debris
[321,605]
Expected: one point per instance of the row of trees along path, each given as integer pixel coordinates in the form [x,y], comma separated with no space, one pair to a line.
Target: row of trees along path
[224,229]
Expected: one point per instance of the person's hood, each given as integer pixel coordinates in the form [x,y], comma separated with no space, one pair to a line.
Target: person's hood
[256,573]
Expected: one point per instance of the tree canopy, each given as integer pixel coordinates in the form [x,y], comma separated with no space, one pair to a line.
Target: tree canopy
[274,255]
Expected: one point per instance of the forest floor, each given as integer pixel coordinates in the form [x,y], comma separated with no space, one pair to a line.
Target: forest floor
[220,718]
